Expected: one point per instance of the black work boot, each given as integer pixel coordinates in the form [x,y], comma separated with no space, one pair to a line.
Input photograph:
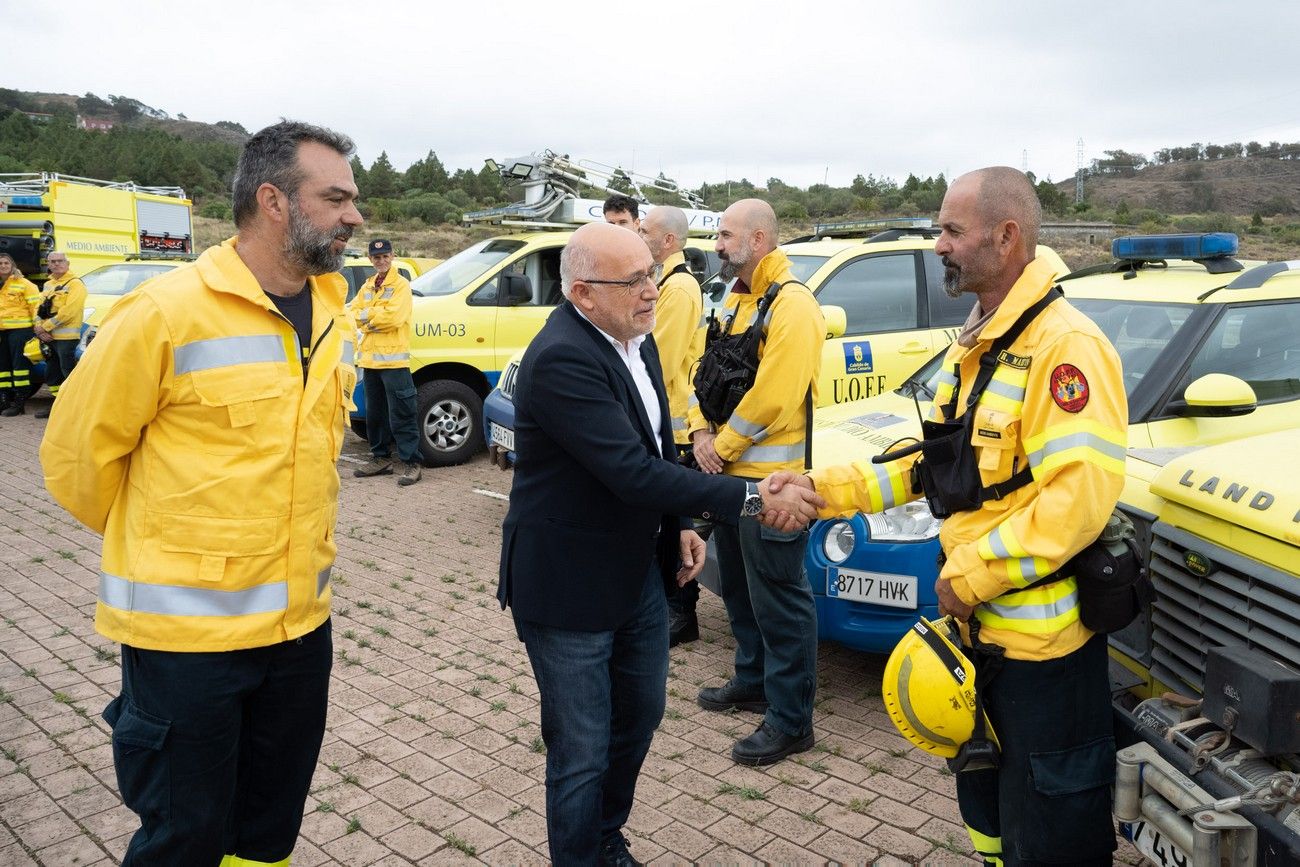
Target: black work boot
[769,745]
[613,852]
[14,408]
[682,627]
[729,696]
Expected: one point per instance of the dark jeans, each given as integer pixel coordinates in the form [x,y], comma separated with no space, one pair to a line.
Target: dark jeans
[63,357]
[1050,801]
[215,751]
[773,618]
[15,370]
[602,698]
[390,413]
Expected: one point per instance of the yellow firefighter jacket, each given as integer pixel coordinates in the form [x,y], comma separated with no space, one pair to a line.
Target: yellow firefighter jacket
[69,306]
[190,441]
[766,431]
[383,320]
[1056,403]
[19,299]
[679,335]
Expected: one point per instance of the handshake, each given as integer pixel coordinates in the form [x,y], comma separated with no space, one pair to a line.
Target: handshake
[789,501]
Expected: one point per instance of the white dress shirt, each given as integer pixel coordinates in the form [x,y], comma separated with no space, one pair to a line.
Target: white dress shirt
[630,352]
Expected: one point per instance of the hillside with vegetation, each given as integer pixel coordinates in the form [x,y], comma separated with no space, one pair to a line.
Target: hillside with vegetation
[1252,189]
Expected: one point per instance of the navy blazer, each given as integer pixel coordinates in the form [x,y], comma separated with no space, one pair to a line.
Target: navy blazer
[593,503]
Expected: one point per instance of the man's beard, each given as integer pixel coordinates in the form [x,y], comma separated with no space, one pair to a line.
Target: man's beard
[312,249]
[731,267]
[951,279]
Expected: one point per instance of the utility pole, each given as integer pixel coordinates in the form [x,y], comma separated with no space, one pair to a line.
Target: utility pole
[1024,161]
[1078,175]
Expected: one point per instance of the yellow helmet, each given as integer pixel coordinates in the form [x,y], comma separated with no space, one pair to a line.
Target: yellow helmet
[32,349]
[929,688]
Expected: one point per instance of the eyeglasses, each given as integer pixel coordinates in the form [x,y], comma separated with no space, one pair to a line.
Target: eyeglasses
[652,276]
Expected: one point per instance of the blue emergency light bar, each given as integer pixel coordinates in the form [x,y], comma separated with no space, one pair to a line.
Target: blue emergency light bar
[27,201]
[1154,248]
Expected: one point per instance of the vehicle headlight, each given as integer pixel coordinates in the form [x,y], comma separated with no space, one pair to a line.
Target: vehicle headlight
[910,522]
[838,543]
[87,313]
[87,336]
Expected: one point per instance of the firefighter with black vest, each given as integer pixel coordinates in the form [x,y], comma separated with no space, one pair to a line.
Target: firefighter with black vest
[201,439]
[1032,395]
[19,300]
[62,307]
[679,335]
[760,569]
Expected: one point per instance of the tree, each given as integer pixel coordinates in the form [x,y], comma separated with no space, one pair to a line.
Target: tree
[383,181]
[93,105]
[1051,197]
[428,174]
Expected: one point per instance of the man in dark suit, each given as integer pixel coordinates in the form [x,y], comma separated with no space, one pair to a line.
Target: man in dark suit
[596,532]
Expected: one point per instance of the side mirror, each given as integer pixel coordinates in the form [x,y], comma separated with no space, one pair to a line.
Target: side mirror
[837,322]
[515,289]
[1216,395]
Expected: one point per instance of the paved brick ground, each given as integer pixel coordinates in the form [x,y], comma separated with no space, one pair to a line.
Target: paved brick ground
[433,753]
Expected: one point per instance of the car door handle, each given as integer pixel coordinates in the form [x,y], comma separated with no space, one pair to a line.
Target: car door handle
[912,347]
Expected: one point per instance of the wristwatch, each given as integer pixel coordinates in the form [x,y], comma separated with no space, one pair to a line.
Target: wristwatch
[753,505]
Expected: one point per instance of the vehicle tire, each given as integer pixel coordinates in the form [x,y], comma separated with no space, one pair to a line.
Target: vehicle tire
[359,427]
[449,416]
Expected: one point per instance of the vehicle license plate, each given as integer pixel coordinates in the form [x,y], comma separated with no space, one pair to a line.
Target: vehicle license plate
[503,436]
[1155,846]
[878,588]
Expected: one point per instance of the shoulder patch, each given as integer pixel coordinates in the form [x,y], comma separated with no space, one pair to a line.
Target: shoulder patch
[1019,362]
[1069,387]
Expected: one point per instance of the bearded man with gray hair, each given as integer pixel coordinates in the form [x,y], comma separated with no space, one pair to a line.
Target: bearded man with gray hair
[201,439]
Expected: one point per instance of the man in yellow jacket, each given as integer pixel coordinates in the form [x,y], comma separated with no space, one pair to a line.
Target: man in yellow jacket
[1055,405]
[679,335]
[768,599]
[381,310]
[19,298]
[200,439]
[61,329]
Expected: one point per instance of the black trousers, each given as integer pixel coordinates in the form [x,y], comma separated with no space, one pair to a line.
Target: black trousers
[15,370]
[63,357]
[1050,801]
[215,751]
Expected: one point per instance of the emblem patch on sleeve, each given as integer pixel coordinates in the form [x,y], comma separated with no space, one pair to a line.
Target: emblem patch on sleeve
[1069,388]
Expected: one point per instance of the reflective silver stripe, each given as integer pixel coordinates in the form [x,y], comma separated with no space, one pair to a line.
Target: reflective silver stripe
[395,356]
[704,320]
[66,332]
[227,352]
[363,316]
[1029,568]
[679,423]
[1007,390]
[347,355]
[744,426]
[369,296]
[323,579]
[772,454]
[1035,612]
[886,485]
[945,377]
[1083,438]
[388,293]
[127,595]
[692,400]
[999,547]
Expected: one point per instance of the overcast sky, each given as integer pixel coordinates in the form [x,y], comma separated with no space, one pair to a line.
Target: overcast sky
[701,91]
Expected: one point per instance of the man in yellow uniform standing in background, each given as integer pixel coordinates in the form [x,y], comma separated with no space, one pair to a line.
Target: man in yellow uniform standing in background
[61,328]
[1050,431]
[680,340]
[19,298]
[201,439]
[760,569]
[382,312]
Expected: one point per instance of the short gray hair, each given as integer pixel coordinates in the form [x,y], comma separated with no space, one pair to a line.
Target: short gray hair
[672,220]
[576,258]
[271,157]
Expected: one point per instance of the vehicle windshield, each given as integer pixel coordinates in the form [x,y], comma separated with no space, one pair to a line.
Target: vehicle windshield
[121,279]
[921,383]
[464,268]
[803,267]
[1139,331]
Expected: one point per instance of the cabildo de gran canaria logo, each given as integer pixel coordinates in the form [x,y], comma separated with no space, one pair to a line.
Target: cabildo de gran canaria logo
[1197,563]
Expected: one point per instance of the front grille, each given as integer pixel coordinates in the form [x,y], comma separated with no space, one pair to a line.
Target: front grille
[507,382]
[1240,603]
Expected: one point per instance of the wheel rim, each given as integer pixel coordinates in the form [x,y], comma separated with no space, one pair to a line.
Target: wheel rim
[447,425]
